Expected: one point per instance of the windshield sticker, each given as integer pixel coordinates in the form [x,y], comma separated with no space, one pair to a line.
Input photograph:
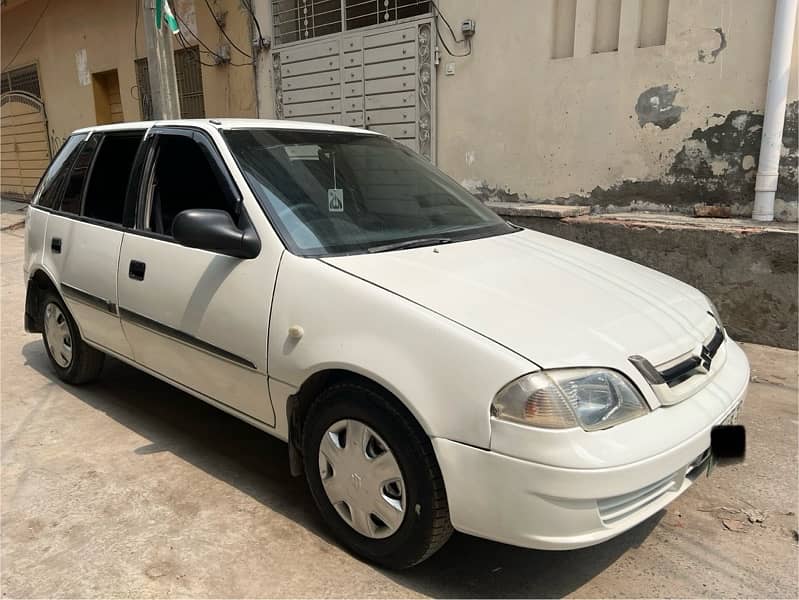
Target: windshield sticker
[335,200]
[302,152]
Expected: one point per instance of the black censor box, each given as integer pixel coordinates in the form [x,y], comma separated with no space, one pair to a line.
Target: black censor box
[728,443]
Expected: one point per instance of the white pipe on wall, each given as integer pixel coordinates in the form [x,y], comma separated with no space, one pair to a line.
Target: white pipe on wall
[774,115]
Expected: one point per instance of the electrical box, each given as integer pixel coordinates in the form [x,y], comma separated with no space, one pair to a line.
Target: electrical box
[468,27]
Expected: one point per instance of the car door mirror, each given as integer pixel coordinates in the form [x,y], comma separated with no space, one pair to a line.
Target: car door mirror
[214,230]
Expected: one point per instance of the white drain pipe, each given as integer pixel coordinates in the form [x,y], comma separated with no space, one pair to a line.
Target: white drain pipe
[774,116]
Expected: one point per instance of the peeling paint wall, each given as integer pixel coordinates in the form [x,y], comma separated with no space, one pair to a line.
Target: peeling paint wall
[644,128]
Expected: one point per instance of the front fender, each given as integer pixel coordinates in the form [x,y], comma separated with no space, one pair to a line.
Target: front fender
[445,374]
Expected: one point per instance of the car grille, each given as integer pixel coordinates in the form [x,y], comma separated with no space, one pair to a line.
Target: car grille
[683,370]
[694,371]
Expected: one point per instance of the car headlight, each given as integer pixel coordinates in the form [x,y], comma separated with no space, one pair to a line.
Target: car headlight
[558,399]
[715,313]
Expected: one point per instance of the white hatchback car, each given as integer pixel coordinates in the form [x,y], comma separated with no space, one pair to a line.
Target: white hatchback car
[430,365]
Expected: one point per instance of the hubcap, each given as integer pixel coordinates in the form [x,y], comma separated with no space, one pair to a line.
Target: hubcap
[57,335]
[362,479]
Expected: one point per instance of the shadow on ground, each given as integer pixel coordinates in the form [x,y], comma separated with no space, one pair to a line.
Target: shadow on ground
[256,464]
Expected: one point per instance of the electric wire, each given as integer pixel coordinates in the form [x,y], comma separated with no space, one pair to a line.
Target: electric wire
[136,31]
[450,52]
[248,5]
[465,40]
[185,44]
[222,29]
[219,57]
[27,37]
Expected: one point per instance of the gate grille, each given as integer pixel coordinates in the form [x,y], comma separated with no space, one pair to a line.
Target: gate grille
[23,79]
[298,20]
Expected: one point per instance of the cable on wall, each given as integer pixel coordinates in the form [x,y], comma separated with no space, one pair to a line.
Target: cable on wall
[136,31]
[262,42]
[27,37]
[222,29]
[221,59]
[466,40]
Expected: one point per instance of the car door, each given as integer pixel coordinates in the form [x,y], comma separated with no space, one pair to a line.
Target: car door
[196,317]
[84,236]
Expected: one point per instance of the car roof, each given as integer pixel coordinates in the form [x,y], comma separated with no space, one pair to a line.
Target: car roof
[228,124]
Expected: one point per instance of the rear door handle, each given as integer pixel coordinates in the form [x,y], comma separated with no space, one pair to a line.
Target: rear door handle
[136,270]
[55,245]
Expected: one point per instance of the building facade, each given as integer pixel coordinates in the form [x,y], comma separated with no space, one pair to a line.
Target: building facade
[71,63]
[620,104]
[617,104]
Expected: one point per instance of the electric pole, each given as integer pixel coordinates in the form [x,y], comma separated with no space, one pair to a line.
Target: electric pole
[160,63]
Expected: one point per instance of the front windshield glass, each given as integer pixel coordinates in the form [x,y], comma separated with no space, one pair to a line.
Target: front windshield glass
[344,193]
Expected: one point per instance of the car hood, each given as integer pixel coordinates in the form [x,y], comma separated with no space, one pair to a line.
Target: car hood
[555,302]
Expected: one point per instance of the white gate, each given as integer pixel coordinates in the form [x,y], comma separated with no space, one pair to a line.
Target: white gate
[380,78]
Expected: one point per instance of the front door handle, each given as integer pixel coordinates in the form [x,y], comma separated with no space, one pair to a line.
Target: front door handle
[55,245]
[136,270]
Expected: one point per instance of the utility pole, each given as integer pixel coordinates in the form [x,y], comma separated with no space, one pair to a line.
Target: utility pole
[160,63]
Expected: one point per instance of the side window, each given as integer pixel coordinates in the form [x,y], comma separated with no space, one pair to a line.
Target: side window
[53,180]
[108,182]
[183,177]
[72,193]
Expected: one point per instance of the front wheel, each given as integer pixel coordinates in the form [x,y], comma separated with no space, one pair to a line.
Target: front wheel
[374,477]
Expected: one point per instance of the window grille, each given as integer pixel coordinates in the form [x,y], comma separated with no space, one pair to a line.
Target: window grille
[296,20]
[23,79]
[190,85]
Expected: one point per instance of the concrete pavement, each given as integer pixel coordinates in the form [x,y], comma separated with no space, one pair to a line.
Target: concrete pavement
[130,488]
[12,213]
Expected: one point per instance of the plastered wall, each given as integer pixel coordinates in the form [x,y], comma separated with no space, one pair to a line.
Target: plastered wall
[546,109]
[76,38]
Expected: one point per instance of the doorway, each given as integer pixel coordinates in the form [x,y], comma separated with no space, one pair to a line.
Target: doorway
[107,99]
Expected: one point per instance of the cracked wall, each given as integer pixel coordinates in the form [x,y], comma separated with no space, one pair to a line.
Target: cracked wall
[659,128]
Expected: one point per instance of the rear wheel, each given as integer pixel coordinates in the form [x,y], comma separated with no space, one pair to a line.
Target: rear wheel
[374,477]
[72,359]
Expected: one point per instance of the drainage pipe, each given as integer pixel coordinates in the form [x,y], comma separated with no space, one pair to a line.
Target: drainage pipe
[774,116]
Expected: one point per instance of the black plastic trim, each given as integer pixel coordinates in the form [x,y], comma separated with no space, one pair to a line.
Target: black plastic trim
[680,369]
[183,338]
[674,375]
[650,373]
[78,295]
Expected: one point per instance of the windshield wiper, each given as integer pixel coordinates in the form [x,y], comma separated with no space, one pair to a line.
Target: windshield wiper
[417,243]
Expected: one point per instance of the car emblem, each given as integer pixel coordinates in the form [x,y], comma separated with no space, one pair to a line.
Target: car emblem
[356,481]
[706,358]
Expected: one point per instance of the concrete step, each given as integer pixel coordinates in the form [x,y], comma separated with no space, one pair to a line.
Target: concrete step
[529,209]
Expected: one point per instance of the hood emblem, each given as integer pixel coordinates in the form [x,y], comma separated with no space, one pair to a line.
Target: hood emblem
[706,356]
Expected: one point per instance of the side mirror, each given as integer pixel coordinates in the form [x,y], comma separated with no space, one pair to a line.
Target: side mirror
[214,230]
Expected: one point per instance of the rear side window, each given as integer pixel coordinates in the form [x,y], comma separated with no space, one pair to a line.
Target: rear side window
[53,181]
[108,183]
[72,194]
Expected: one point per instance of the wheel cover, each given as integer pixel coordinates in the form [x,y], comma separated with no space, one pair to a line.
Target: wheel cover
[57,335]
[362,479]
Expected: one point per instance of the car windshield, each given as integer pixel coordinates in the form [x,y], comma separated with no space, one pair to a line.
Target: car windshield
[344,193]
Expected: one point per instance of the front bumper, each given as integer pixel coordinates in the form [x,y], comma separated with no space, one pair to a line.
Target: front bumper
[516,501]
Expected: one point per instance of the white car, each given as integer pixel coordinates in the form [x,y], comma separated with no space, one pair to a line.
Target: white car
[431,366]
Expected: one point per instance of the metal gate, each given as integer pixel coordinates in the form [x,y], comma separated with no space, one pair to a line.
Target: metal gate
[380,78]
[25,143]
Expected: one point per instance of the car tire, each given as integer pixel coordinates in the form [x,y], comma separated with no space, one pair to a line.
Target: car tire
[424,525]
[72,359]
